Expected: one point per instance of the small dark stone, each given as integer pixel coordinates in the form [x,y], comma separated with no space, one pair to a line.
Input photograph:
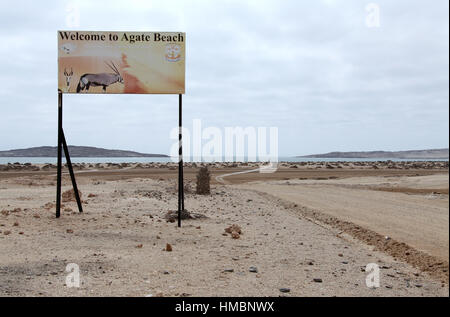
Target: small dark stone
[228,270]
[285,290]
[317,280]
[253,269]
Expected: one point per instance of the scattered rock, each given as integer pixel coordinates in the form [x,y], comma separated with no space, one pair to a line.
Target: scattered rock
[253,269]
[285,290]
[139,246]
[235,235]
[317,280]
[49,206]
[233,228]
[168,247]
[69,195]
[69,231]
[172,215]
[228,270]
[6,232]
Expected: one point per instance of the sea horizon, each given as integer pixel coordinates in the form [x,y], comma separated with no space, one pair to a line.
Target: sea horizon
[53,160]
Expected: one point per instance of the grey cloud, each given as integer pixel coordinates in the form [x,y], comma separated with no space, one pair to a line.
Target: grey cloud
[312,68]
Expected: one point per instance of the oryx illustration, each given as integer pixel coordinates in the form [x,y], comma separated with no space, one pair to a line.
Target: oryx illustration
[68,76]
[102,79]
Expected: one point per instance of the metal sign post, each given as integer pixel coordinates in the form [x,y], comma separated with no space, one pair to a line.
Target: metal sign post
[62,143]
[180,160]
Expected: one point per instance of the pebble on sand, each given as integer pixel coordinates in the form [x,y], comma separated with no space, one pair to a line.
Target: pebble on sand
[233,228]
[317,280]
[235,235]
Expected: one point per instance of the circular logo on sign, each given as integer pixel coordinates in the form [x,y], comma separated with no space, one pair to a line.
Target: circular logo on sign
[173,52]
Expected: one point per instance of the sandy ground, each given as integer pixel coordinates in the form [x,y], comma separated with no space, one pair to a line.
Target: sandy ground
[119,243]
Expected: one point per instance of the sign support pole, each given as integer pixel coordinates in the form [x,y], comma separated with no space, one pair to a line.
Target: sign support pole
[72,174]
[180,161]
[62,143]
[58,177]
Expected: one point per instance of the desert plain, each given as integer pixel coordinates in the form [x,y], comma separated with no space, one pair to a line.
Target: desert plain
[308,229]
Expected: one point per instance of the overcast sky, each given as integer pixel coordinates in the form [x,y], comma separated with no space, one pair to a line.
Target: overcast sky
[314,69]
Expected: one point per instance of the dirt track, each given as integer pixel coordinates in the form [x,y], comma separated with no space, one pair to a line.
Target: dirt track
[421,220]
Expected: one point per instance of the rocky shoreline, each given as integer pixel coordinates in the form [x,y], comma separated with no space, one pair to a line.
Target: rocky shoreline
[403,165]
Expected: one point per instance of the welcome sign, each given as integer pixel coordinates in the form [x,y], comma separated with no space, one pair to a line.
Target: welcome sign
[121,62]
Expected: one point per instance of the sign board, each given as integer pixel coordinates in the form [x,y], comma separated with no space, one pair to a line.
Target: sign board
[121,62]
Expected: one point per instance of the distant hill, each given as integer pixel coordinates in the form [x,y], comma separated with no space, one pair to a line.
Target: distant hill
[414,154]
[75,151]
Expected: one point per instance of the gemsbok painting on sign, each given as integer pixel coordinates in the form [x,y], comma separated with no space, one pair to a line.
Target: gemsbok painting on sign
[121,62]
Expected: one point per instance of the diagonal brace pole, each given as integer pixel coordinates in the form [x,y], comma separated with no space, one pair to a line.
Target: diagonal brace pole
[63,144]
[72,175]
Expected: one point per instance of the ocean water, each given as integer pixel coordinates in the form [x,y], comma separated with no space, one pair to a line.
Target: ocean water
[52,160]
